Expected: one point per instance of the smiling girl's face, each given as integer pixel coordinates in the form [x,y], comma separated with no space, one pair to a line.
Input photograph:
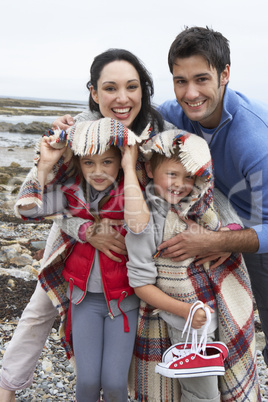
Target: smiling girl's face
[100,171]
[119,92]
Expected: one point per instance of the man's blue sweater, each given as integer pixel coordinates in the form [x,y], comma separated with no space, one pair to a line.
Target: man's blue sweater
[239,149]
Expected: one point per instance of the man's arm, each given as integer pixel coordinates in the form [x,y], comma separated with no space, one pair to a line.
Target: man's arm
[198,241]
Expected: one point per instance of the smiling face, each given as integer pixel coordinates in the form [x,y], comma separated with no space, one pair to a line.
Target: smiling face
[100,171]
[171,181]
[198,89]
[119,92]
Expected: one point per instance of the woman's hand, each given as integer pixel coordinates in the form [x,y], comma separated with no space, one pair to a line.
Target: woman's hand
[63,122]
[129,157]
[107,239]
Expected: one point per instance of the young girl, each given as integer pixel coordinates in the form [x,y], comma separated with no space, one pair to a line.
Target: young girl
[104,308]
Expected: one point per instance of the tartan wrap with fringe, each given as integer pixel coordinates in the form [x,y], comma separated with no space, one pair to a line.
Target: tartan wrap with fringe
[226,288]
[152,337]
[84,138]
[151,342]
[50,277]
[229,285]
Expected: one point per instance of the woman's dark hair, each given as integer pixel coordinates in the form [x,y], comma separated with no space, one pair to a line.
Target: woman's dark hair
[147,113]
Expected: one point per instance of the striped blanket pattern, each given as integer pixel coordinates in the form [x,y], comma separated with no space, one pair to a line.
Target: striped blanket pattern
[228,285]
[240,381]
[232,290]
[83,138]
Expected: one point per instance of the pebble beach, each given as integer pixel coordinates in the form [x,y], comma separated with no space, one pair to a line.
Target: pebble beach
[21,251]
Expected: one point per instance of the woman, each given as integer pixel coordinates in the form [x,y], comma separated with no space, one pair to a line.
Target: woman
[120,87]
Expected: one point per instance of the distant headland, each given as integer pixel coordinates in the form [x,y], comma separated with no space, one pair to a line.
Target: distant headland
[21,107]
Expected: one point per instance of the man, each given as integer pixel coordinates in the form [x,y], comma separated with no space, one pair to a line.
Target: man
[236,130]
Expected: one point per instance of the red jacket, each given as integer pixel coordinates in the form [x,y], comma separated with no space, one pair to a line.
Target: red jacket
[79,263]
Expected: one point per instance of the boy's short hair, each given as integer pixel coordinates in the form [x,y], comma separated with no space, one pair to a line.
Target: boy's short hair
[157,159]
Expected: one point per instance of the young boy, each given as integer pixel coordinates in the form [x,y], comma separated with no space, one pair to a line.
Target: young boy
[182,184]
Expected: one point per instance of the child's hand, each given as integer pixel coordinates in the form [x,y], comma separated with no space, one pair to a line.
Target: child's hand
[129,157]
[218,259]
[48,155]
[199,318]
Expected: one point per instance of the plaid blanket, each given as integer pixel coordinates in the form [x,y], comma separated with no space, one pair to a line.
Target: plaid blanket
[226,288]
[231,288]
[230,282]
[87,137]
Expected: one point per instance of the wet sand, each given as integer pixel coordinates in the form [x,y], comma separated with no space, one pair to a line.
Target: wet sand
[22,156]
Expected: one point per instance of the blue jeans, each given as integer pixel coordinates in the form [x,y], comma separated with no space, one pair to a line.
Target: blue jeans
[257,265]
[102,350]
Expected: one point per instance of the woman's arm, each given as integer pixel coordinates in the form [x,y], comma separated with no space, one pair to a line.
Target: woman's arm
[53,203]
[66,121]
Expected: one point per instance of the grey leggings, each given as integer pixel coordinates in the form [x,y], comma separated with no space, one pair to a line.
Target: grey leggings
[102,350]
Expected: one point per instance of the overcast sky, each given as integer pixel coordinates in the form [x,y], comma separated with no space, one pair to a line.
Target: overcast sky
[48,46]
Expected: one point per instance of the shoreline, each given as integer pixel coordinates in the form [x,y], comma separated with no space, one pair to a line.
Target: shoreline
[12,107]
[9,102]
[20,107]
[23,156]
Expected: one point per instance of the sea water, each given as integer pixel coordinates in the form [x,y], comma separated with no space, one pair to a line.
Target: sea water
[10,140]
[61,105]
[27,119]
[19,147]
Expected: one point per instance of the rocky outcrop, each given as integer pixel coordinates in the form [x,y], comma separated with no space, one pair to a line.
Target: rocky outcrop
[21,107]
[36,127]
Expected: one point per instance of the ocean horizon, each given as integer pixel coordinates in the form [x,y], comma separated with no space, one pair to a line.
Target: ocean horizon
[58,104]
[45,99]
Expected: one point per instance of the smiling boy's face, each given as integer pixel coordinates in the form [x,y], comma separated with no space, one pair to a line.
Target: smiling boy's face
[171,181]
[100,171]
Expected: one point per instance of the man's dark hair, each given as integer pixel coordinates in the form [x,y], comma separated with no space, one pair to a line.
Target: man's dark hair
[205,42]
